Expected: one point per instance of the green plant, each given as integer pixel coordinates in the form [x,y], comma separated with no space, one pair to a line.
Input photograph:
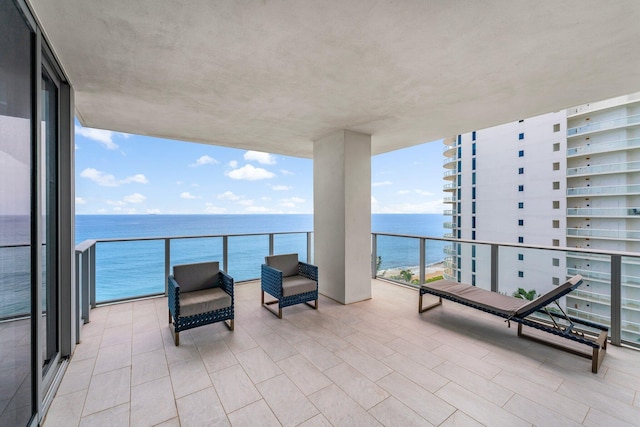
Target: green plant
[406,275]
[434,279]
[530,295]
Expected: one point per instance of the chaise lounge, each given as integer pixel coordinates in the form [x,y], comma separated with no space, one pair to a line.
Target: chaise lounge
[521,311]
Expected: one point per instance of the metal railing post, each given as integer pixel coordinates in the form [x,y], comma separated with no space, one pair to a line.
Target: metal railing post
[78,295]
[225,253]
[167,264]
[270,243]
[616,299]
[374,255]
[309,247]
[92,276]
[494,267]
[423,260]
[84,283]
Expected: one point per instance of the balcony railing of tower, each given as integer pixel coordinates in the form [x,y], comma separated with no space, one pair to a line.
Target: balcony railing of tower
[140,265]
[604,147]
[604,125]
[604,212]
[604,190]
[603,233]
[608,168]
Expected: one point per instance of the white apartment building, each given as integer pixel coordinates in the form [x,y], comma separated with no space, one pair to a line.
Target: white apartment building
[568,179]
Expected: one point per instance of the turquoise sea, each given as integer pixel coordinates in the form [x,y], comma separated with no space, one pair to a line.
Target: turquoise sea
[127,269]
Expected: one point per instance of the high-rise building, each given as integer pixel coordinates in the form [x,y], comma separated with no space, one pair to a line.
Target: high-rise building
[568,179]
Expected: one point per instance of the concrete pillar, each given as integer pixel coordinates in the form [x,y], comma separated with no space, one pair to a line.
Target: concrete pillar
[342,215]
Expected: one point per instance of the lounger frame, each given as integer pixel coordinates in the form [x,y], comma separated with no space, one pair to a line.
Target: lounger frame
[572,330]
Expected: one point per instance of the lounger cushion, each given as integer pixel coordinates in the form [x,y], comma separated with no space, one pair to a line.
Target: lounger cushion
[195,277]
[550,296]
[294,285]
[491,301]
[288,264]
[203,301]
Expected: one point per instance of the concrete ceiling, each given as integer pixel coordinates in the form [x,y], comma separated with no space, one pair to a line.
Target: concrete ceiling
[275,75]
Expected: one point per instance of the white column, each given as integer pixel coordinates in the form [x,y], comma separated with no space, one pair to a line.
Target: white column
[342,215]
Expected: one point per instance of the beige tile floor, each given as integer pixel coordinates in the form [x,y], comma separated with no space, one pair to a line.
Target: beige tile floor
[377,362]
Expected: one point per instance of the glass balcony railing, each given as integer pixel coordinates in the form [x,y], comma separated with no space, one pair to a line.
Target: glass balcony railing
[604,234]
[600,169]
[118,269]
[450,174]
[449,187]
[603,212]
[606,190]
[604,147]
[449,162]
[448,200]
[450,212]
[604,125]
[449,225]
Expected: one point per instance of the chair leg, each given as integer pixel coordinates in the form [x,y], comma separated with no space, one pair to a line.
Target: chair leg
[262,301]
[176,338]
[169,316]
[229,324]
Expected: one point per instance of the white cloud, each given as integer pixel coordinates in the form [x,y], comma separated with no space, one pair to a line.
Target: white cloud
[286,172]
[139,178]
[404,191]
[108,180]
[105,137]
[281,187]
[134,198]
[246,202]
[210,208]
[379,184]
[256,209]
[100,178]
[115,203]
[228,195]
[262,158]
[250,173]
[233,164]
[204,160]
[424,193]
[153,211]
[187,195]
[293,200]
[80,201]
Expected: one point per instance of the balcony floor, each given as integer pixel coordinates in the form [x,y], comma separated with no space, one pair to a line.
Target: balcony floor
[377,362]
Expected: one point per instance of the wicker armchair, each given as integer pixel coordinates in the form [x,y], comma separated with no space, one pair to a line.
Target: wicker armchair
[289,281]
[199,294]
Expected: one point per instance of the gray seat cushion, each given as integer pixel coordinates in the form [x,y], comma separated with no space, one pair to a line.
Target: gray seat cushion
[194,277]
[203,301]
[294,285]
[287,263]
[494,301]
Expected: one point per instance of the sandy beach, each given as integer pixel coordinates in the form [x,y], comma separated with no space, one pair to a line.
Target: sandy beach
[433,270]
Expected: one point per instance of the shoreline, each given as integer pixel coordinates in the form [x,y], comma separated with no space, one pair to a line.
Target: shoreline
[432,270]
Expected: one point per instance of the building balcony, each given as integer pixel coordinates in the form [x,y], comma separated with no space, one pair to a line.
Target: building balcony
[450,187]
[605,190]
[449,151]
[450,175]
[448,200]
[449,212]
[604,147]
[604,212]
[449,225]
[604,169]
[450,162]
[604,126]
[604,234]
[337,364]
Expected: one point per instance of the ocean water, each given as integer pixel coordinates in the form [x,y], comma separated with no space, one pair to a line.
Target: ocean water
[127,269]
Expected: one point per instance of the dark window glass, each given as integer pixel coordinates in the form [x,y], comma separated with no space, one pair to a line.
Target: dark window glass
[520,187]
[520,273]
[521,222]
[473,135]
[520,239]
[520,171]
[16,272]
[521,153]
[520,257]
[520,205]
[521,136]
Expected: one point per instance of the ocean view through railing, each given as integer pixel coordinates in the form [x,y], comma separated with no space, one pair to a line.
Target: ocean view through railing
[109,270]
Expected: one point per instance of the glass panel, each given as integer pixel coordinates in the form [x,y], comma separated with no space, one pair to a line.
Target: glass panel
[186,251]
[630,316]
[49,207]
[129,269]
[246,255]
[435,253]
[16,406]
[291,243]
[399,259]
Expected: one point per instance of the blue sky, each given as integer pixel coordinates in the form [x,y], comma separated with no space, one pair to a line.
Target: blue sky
[120,173]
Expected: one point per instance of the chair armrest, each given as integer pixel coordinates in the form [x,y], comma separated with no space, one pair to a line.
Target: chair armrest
[226,283]
[271,280]
[309,271]
[174,296]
